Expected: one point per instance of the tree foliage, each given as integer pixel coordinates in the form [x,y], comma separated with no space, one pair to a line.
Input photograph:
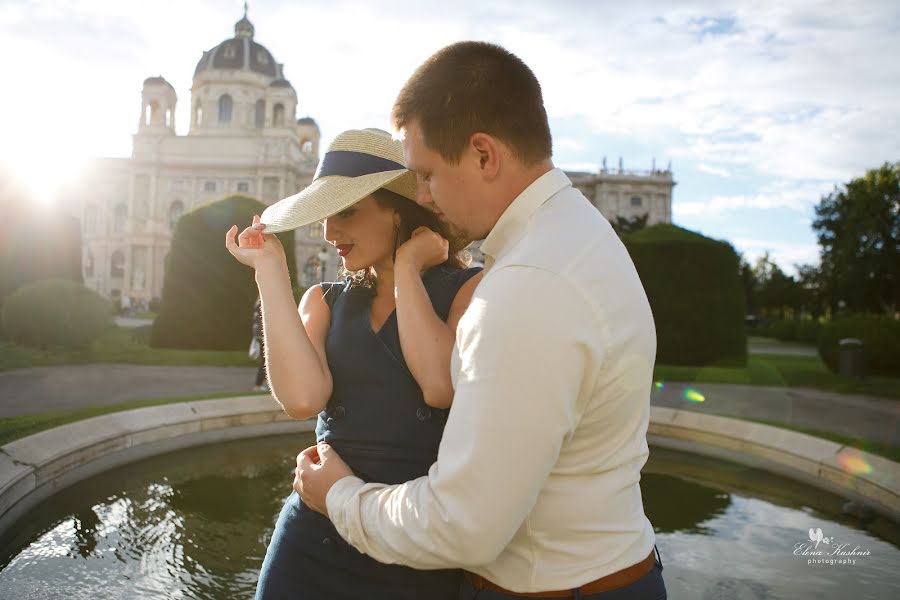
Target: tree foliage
[858,227]
[624,226]
[39,243]
[696,295]
[208,296]
[55,313]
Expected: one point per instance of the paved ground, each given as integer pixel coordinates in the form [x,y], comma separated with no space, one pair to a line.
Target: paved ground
[785,350]
[29,391]
[131,322]
[876,419]
[39,389]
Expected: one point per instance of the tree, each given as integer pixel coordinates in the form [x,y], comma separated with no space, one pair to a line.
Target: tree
[859,233]
[695,294]
[208,296]
[623,226]
[776,293]
[39,243]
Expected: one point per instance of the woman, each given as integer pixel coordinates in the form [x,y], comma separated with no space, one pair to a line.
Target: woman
[370,356]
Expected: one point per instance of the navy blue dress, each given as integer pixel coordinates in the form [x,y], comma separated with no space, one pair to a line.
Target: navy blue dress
[378,422]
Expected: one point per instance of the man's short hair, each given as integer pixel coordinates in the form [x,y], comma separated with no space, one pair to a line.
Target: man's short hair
[476,87]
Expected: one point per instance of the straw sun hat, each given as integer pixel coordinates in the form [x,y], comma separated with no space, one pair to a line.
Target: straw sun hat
[357,163]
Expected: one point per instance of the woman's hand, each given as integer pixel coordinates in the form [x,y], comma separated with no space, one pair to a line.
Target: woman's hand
[255,248]
[423,250]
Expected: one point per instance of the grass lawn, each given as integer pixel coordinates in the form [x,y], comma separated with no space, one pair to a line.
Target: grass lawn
[783,371]
[116,346]
[13,428]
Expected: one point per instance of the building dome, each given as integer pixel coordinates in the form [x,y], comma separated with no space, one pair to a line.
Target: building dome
[239,53]
[307,121]
[159,80]
[281,83]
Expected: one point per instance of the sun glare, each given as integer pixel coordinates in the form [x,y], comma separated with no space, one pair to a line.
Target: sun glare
[43,177]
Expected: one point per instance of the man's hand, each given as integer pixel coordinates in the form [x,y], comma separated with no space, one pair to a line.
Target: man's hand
[318,468]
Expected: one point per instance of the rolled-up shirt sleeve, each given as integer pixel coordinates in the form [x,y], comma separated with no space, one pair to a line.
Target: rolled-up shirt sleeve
[523,355]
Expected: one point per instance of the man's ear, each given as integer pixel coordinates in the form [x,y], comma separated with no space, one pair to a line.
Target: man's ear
[487,150]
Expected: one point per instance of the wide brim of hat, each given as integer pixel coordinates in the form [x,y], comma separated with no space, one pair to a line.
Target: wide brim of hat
[332,194]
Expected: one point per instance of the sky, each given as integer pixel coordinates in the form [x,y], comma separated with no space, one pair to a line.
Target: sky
[761,107]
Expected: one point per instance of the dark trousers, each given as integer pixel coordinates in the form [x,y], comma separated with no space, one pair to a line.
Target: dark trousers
[648,587]
[261,371]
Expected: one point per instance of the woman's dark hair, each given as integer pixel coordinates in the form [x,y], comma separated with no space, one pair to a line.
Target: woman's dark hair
[412,216]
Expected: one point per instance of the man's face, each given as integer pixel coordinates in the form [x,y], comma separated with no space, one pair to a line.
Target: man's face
[451,191]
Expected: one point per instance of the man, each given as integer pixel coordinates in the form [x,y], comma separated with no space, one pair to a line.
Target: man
[536,486]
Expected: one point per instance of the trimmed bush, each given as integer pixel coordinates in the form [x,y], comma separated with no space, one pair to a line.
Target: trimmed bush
[55,313]
[881,342]
[208,296]
[37,245]
[696,294]
[791,330]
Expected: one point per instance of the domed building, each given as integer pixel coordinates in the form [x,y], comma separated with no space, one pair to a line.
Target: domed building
[243,138]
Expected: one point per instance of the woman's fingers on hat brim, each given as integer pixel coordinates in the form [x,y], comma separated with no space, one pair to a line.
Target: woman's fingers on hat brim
[229,237]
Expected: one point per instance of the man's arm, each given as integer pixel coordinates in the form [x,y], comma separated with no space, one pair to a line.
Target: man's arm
[523,365]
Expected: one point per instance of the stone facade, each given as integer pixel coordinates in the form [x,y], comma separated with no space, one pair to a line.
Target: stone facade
[628,193]
[243,138]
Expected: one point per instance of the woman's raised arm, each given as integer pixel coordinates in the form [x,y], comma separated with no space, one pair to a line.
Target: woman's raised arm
[294,337]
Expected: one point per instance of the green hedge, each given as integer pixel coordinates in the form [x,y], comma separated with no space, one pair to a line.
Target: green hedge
[791,330]
[881,342]
[696,295]
[208,296]
[36,246]
[55,313]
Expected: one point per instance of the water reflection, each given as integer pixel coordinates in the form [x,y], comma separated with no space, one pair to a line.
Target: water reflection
[195,524]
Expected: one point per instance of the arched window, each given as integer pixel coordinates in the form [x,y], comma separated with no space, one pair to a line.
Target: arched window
[198,114]
[306,147]
[316,230]
[89,264]
[169,118]
[175,211]
[225,106]
[278,115]
[260,113]
[154,116]
[117,264]
[90,219]
[120,218]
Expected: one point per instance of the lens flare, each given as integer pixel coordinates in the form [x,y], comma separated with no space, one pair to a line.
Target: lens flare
[658,385]
[692,395]
[852,462]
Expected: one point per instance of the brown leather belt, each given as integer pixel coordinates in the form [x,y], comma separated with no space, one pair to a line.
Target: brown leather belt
[604,584]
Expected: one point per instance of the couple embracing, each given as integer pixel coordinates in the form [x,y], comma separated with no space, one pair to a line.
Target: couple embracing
[480,432]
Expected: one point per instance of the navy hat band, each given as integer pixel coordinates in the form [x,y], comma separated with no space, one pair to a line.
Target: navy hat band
[353,164]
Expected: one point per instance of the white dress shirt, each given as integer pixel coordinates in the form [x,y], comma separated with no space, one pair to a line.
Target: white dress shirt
[536,483]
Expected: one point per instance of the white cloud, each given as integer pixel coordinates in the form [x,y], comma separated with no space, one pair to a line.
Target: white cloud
[785,254]
[713,170]
[793,196]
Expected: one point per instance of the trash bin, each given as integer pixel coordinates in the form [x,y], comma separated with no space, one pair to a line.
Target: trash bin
[850,358]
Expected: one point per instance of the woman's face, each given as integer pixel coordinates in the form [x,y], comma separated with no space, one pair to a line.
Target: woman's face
[363,234]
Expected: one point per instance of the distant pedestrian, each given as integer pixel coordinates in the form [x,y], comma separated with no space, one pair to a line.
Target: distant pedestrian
[258,348]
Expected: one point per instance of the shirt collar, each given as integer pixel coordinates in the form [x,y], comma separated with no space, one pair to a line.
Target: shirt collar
[517,214]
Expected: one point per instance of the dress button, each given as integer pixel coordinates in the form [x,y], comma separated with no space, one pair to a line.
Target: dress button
[340,412]
[423,413]
[329,421]
[326,542]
